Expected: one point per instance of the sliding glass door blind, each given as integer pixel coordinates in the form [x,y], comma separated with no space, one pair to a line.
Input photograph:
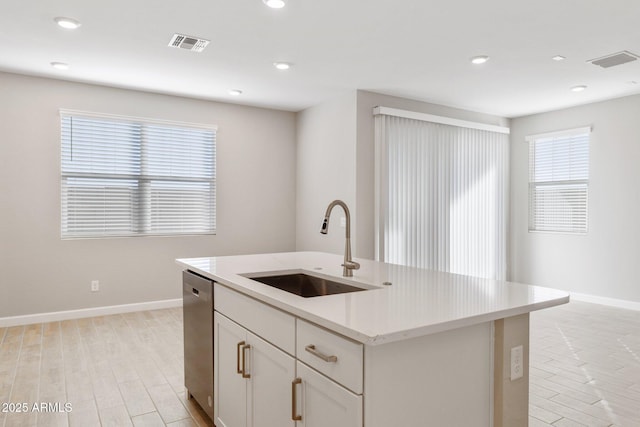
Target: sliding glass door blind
[442,193]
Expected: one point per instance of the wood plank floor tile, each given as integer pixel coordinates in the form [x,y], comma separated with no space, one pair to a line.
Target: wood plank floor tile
[56,419]
[542,414]
[589,350]
[566,422]
[115,416]
[148,420]
[167,403]
[184,423]
[20,419]
[136,398]
[534,422]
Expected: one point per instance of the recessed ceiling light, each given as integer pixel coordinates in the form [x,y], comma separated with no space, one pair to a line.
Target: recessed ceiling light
[481,59]
[60,65]
[282,65]
[558,58]
[68,23]
[274,4]
[578,88]
[235,92]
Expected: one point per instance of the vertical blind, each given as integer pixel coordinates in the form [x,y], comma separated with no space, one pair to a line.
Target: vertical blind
[442,196]
[128,177]
[559,181]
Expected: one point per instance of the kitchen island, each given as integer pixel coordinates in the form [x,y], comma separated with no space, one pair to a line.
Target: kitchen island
[414,348]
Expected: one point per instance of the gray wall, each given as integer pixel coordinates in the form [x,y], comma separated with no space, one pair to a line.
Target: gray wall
[604,262]
[278,169]
[326,170]
[39,272]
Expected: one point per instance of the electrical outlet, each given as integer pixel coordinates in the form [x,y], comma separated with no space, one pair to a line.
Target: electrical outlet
[517,362]
[95,285]
[343,221]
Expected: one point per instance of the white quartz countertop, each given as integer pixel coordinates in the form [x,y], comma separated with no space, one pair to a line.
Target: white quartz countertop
[418,302]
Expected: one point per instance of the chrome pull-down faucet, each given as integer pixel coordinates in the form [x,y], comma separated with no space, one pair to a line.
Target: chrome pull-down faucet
[349,264]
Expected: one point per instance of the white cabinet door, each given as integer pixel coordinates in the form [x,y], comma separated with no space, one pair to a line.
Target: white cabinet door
[258,396]
[269,395]
[230,388]
[324,403]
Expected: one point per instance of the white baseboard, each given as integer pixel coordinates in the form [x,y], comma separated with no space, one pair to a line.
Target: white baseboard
[612,302]
[87,312]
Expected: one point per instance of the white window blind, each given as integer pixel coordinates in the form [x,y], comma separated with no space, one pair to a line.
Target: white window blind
[442,196]
[559,181]
[128,177]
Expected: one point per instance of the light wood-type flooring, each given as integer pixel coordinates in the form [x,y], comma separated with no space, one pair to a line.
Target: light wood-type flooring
[120,370]
[584,367]
[127,369]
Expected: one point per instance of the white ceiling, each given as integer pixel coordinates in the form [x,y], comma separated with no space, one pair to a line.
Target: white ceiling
[418,49]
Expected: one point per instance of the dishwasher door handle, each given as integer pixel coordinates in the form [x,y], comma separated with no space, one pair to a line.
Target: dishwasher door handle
[195,292]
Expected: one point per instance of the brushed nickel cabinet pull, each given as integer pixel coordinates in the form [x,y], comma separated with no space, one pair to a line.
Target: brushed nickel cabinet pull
[240,344]
[312,349]
[244,358]
[294,399]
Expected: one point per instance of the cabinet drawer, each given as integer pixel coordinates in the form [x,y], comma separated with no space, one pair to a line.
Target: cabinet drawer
[273,325]
[316,346]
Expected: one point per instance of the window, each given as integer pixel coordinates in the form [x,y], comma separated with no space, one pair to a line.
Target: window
[122,176]
[559,181]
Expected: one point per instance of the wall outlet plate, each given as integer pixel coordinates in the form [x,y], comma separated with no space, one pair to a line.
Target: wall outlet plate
[95,285]
[517,362]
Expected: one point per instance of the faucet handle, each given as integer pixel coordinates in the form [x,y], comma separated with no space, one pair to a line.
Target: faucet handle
[351,265]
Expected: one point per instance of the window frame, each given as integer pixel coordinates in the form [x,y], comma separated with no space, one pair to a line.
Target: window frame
[142,210]
[566,135]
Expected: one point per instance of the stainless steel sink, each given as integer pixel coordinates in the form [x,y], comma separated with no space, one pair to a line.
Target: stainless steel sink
[305,285]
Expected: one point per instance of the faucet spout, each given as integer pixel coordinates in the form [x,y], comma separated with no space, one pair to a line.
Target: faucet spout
[349,264]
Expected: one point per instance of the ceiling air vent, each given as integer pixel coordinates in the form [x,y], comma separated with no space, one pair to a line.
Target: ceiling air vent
[189,43]
[615,59]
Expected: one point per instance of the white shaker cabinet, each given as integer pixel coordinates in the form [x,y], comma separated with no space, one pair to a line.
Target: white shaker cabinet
[269,396]
[325,403]
[257,384]
[253,386]
[230,388]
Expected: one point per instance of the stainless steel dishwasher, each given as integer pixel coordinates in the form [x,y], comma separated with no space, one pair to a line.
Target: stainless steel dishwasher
[197,309]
